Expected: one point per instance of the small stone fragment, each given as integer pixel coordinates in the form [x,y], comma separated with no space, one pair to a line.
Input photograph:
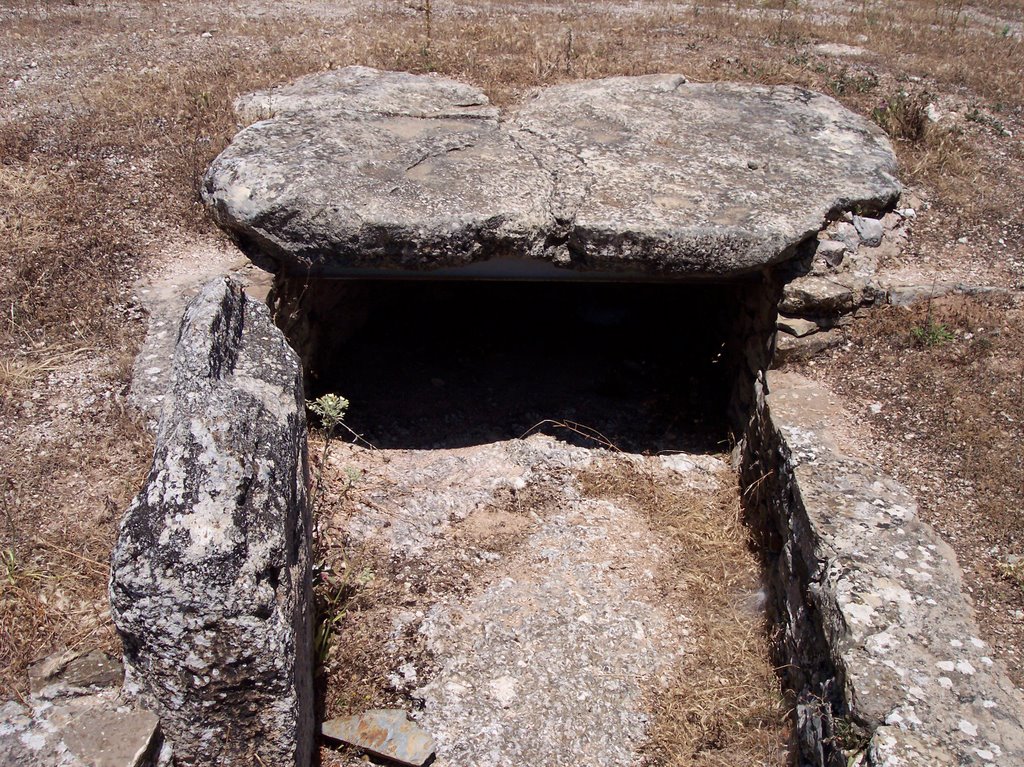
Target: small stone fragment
[84,731]
[840,49]
[846,233]
[906,295]
[817,296]
[388,733]
[790,349]
[870,230]
[796,326]
[831,252]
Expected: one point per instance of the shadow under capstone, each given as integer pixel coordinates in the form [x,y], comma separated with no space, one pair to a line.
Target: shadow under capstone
[451,364]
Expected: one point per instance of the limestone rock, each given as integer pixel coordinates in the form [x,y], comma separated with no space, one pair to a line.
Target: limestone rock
[844,232]
[385,732]
[840,49]
[362,90]
[358,171]
[795,326]
[907,295]
[792,349]
[894,747]
[107,738]
[872,618]
[870,230]
[831,252]
[210,574]
[83,733]
[817,296]
[76,718]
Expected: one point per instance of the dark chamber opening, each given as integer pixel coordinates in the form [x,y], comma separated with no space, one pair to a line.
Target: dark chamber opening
[451,364]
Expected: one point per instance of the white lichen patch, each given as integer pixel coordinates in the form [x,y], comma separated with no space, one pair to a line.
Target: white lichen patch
[968,728]
[859,613]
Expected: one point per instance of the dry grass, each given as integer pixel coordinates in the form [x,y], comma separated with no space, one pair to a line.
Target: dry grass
[724,707]
[59,508]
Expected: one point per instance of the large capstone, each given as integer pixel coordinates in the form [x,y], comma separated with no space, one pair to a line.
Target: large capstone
[357,171]
[210,584]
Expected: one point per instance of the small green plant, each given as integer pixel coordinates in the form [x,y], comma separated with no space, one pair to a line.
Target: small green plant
[332,592]
[851,738]
[9,567]
[331,409]
[903,115]
[13,571]
[932,334]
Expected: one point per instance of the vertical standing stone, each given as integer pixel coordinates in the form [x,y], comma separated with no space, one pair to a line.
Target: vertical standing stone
[210,584]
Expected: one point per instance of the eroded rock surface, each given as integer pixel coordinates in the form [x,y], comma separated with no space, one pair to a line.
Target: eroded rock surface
[357,170]
[210,576]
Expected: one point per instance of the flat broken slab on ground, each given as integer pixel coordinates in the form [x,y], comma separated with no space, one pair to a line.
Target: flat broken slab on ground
[356,170]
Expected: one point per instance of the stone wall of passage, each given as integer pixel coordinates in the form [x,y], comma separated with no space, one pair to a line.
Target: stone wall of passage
[750,346]
[874,632]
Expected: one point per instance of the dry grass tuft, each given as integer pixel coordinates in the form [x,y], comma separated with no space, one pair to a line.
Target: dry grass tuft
[725,706]
[59,508]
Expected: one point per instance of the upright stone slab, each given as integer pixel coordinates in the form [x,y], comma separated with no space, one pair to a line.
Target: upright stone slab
[210,584]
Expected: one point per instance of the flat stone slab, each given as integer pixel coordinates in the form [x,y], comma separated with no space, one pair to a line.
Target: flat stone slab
[113,738]
[74,673]
[565,632]
[86,731]
[388,733]
[357,171]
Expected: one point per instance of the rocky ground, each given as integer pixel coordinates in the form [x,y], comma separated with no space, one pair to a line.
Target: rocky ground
[530,602]
[111,111]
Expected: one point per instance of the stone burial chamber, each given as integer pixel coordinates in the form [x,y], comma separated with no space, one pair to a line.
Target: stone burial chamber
[350,178]
[592,216]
